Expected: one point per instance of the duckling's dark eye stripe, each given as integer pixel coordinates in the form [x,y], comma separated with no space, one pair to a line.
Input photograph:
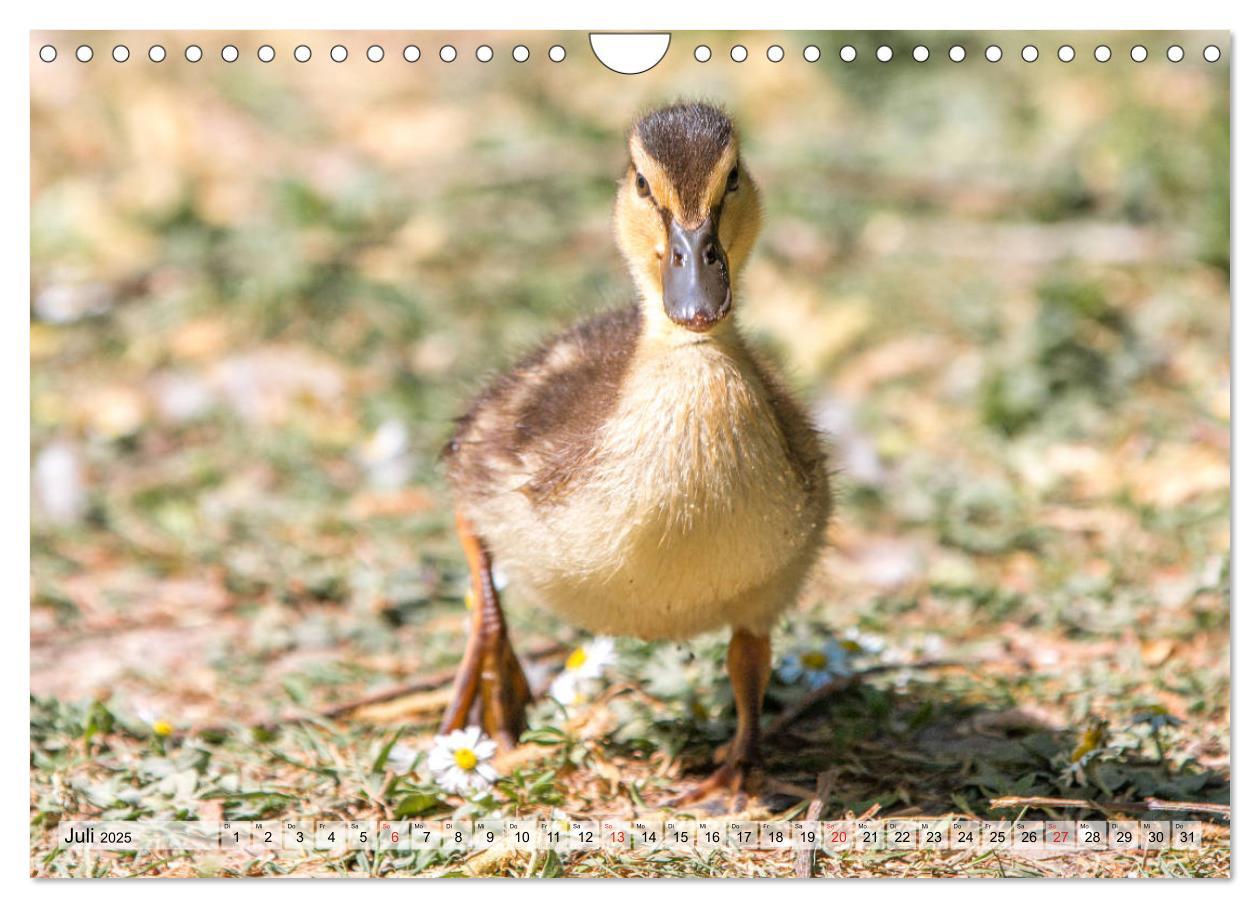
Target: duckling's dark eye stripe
[645,192]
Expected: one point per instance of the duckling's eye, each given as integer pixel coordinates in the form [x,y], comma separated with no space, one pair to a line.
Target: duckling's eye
[641,184]
[732,181]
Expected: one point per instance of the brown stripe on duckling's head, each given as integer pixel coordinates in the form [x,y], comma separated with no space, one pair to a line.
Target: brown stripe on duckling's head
[687,142]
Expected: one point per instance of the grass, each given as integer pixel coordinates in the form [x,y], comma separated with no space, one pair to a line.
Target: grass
[254,319]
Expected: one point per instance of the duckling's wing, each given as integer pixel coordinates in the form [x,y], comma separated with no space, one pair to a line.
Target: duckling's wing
[535,427]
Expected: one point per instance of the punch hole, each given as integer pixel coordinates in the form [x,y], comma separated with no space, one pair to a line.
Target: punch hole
[485,53]
[920,54]
[1211,53]
[447,53]
[302,53]
[229,53]
[339,54]
[192,53]
[848,53]
[993,53]
[883,53]
[1176,54]
[625,53]
[120,53]
[739,53]
[375,53]
[520,53]
[557,53]
[266,53]
[83,53]
[411,53]
[774,53]
[811,53]
[157,53]
[1067,53]
[1102,53]
[1029,53]
[703,54]
[1138,53]
[48,53]
[958,53]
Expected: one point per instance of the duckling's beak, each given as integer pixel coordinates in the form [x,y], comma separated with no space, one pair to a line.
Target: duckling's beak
[695,277]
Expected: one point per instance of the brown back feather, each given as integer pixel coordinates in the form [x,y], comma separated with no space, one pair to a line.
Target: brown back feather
[546,412]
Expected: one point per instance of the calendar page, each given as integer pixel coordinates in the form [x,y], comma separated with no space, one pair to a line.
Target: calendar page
[593,454]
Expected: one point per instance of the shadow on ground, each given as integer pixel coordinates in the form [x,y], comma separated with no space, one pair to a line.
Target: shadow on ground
[923,751]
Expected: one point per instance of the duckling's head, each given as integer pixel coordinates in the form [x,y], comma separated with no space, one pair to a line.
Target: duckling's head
[687,215]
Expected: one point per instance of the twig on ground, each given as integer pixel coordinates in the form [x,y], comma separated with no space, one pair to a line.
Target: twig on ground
[423,684]
[805,859]
[871,811]
[408,706]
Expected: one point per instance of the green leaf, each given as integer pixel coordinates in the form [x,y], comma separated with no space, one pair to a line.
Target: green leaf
[417,805]
[378,765]
[548,736]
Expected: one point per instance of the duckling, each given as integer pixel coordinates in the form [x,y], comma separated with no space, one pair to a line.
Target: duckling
[646,473]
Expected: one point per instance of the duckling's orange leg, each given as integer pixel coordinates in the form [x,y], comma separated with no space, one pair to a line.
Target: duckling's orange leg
[748,663]
[490,688]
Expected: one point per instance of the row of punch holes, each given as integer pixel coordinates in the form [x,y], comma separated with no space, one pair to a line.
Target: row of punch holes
[703,53]
[338,53]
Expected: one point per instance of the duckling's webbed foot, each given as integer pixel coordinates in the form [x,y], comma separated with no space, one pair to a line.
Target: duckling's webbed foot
[490,688]
[748,662]
[724,791]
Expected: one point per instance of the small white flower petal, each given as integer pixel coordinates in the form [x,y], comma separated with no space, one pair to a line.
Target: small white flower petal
[602,650]
[440,761]
[452,780]
[564,688]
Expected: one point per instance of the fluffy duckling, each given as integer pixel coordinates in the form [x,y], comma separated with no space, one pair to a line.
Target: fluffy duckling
[646,473]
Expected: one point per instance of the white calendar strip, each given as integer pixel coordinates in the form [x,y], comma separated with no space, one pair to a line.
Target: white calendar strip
[528,834]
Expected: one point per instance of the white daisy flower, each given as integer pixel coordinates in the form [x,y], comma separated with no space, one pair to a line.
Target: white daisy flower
[570,689]
[561,819]
[1156,717]
[815,665]
[460,761]
[1091,745]
[857,642]
[589,661]
[583,671]
[155,723]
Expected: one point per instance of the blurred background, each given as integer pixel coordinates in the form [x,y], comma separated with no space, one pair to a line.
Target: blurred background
[261,292]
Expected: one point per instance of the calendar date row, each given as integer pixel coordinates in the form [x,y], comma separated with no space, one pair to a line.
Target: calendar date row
[572,834]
